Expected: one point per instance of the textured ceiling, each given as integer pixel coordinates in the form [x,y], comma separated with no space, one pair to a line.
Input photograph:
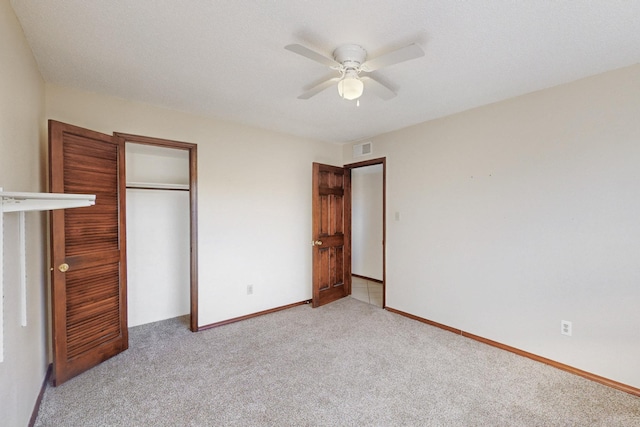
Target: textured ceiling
[226,58]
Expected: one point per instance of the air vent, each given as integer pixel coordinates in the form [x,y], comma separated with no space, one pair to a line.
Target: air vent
[363,149]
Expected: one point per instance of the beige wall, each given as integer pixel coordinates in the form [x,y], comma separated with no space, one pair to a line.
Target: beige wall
[521,214]
[22,158]
[254,198]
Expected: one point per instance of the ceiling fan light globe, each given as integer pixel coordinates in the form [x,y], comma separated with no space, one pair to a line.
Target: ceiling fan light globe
[350,88]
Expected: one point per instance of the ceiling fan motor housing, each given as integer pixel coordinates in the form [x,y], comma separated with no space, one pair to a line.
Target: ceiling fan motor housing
[351,56]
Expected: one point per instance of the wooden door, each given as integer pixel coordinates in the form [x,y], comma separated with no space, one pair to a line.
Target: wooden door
[88,259]
[331,203]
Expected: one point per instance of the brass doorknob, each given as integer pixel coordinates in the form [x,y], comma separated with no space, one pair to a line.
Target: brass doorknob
[63,267]
[317,243]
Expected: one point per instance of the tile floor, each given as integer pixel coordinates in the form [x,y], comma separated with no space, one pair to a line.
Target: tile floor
[366,290]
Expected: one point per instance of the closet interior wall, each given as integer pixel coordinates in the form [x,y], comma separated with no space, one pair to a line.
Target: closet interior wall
[158,263]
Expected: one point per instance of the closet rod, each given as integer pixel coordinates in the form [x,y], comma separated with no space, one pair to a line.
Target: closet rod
[157,186]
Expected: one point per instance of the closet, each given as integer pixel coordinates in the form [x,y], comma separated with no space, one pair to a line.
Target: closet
[158,233]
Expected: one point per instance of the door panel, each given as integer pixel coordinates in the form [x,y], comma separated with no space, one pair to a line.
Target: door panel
[331,234]
[88,298]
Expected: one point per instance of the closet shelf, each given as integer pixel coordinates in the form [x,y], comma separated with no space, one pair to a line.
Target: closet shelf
[157,186]
[21,202]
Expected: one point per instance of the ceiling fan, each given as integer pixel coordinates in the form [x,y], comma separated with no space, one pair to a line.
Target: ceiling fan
[350,61]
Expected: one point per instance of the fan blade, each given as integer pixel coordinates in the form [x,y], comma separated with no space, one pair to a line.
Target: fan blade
[412,51]
[379,89]
[319,88]
[308,53]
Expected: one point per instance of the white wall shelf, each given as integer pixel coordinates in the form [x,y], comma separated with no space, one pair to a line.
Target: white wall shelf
[21,203]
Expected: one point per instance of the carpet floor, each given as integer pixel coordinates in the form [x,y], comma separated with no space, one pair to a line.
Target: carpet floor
[345,364]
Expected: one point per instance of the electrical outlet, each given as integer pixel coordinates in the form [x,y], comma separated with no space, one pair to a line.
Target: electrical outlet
[249,289]
[565,327]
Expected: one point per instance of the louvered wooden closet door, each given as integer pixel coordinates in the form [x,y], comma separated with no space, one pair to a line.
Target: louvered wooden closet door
[87,251]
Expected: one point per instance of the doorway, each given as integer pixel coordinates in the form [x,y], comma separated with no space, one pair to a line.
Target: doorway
[368,230]
[161,178]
